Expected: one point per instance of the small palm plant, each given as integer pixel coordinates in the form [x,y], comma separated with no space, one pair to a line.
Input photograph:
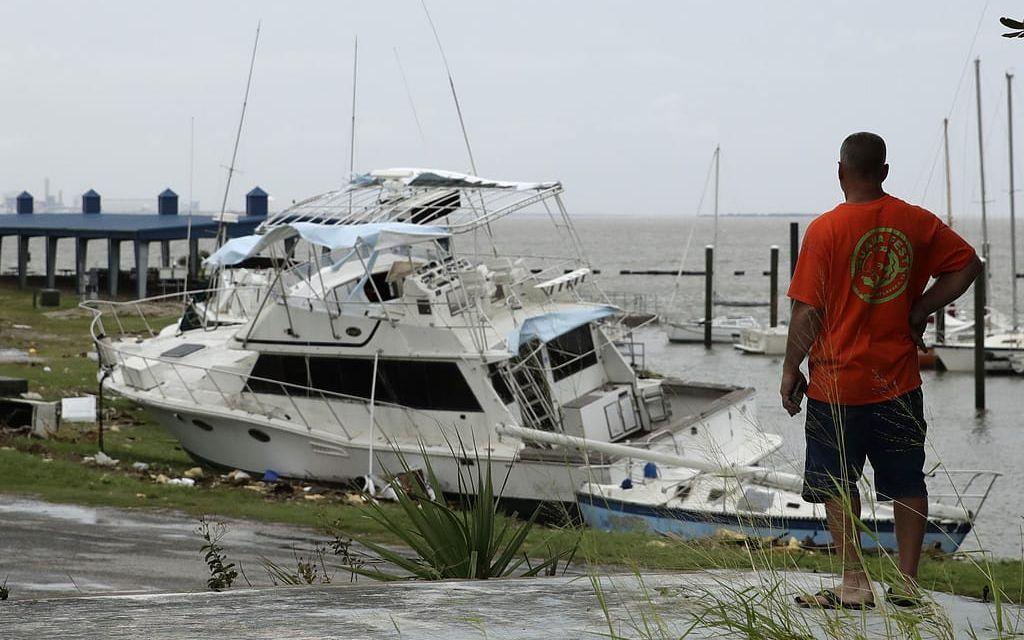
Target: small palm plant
[471,540]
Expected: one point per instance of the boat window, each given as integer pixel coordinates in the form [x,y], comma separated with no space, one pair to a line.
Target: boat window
[418,384]
[378,282]
[259,435]
[571,352]
[182,350]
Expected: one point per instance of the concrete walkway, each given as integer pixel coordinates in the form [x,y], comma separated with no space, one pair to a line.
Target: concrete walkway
[84,552]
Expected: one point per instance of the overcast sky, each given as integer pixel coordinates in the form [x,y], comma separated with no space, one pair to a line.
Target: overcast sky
[622,101]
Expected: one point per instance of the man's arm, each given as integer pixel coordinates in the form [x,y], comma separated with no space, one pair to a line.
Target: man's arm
[804,327]
[946,288]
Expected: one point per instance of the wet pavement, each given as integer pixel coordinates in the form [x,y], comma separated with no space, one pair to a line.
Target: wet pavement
[61,550]
[658,606]
[68,568]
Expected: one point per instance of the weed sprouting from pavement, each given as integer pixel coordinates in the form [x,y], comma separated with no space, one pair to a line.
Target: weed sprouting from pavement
[222,573]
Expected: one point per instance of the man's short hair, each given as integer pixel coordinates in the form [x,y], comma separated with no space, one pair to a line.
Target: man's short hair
[863,154]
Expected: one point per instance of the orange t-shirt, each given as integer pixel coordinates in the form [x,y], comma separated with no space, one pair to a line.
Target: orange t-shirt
[864,265]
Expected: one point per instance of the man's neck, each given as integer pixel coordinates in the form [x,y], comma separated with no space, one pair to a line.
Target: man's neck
[865,194]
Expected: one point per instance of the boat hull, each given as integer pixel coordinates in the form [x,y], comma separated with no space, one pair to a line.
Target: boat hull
[614,515]
[960,358]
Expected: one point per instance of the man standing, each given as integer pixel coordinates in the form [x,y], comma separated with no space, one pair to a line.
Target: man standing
[859,310]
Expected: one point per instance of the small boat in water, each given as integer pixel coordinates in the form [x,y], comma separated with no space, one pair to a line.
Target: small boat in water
[727,329]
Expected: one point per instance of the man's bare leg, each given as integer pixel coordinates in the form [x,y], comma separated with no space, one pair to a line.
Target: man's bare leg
[911,519]
[855,587]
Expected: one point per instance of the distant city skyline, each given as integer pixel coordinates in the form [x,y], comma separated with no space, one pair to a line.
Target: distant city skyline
[622,102]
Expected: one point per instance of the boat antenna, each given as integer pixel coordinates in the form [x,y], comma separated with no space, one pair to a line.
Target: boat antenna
[451,84]
[191,174]
[221,230]
[408,94]
[352,128]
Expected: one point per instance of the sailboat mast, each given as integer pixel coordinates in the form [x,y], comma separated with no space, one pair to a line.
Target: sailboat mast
[949,186]
[714,272]
[981,164]
[352,126]
[1013,207]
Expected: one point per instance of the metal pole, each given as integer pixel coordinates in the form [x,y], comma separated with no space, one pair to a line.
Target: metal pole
[1013,203]
[373,403]
[949,186]
[794,246]
[709,276]
[981,161]
[979,337]
[774,287]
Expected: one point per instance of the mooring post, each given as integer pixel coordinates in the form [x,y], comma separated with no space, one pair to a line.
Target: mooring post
[709,276]
[794,246]
[979,337]
[773,301]
[193,258]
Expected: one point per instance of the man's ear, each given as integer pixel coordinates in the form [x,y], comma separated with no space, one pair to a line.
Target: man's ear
[840,172]
[885,172]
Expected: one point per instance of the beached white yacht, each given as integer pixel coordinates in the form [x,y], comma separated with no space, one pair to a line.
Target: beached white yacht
[392,324]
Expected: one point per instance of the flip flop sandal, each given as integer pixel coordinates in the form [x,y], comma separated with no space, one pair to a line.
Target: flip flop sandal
[902,600]
[832,601]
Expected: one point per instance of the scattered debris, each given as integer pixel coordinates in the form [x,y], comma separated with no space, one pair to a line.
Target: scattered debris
[31,395]
[161,479]
[140,466]
[24,327]
[100,460]
[194,473]
[47,369]
[270,476]
[78,409]
[238,477]
[182,482]
[314,496]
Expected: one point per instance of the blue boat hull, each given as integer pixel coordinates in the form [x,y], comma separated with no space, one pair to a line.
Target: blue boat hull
[614,515]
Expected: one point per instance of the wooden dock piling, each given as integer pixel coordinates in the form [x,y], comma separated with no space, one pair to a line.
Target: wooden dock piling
[979,337]
[709,292]
[773,300]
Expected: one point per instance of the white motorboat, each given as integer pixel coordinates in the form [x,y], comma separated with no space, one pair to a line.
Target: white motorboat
[726,329]
[406,332]
[1000,350]
[769,341]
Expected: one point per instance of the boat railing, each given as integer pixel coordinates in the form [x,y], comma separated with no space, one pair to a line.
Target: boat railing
[160,369]
[133,317]
[969,488]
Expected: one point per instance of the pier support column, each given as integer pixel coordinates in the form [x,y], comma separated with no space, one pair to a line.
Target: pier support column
[51,262]
[165,253]
[141,268]
[773,287]
[193,258]
[81,249]
[22,262]
[113,265]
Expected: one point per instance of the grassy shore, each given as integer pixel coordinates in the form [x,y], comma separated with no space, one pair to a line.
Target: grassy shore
[53,470]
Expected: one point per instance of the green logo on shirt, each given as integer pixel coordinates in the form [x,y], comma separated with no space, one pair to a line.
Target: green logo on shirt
[880,265]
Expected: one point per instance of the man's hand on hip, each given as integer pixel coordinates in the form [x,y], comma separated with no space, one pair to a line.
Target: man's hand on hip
[794,384]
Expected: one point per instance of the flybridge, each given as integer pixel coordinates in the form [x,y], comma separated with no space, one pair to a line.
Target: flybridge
[423,196]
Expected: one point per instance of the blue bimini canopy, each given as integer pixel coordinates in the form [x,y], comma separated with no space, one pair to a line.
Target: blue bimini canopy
[549,326]
[377,236]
